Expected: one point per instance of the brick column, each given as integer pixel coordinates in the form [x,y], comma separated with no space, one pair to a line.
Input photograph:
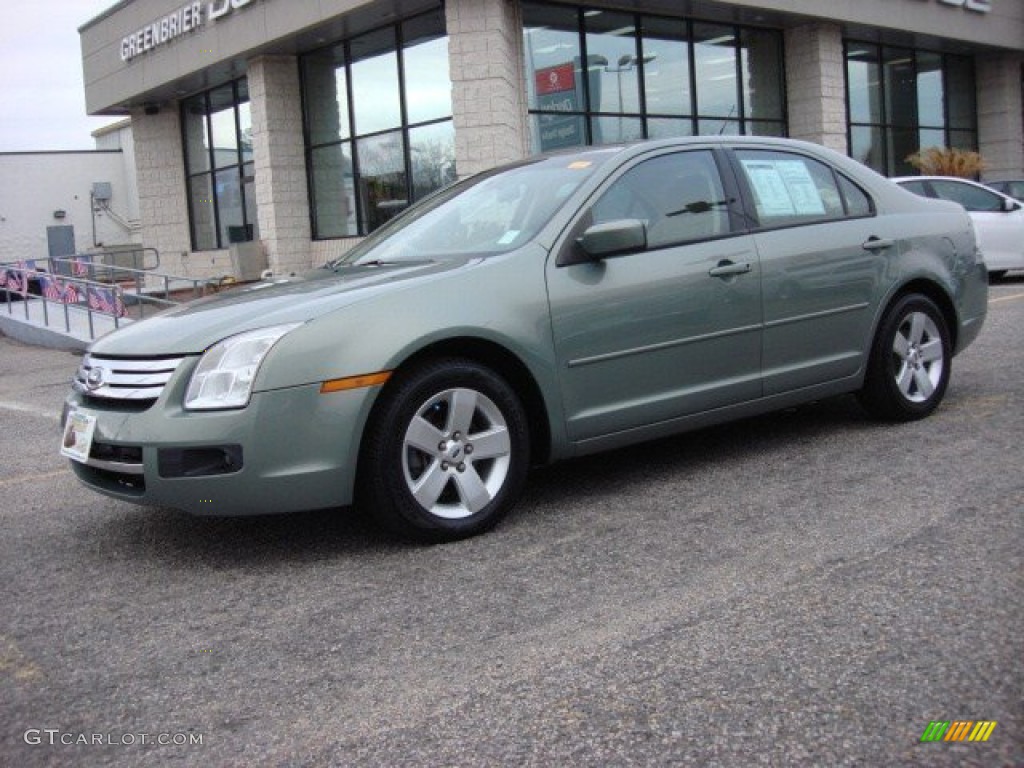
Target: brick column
[282,198]
[163,195]
[485,61]
[815,85]
[1001,114]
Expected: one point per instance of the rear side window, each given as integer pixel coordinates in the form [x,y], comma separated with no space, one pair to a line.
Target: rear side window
[917,187]
[788,189]
[970,197]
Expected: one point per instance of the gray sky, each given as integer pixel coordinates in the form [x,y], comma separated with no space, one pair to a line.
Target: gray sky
[42,105]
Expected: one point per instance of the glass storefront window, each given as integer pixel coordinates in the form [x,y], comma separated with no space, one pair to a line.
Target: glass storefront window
[866,146]
[761,65]
[382,187]
[667,68]
[714,50]
[204,221]
[960,98]
[606,129]
[230,207]
[646,77]
[374,72]
[554,82]
[374,146]
[428,86]
[929,90]
[217,129]
[903,100]
[864,81]
[325,87]
[432,155]
[334,201]
[197,137]
[613,80]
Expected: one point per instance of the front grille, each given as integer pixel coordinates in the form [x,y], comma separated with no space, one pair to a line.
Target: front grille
[136,380]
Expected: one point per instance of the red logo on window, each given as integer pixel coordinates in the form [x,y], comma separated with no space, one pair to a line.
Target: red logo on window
[555,79]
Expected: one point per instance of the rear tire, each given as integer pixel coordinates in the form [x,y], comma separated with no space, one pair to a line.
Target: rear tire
[910,361]
[446,452]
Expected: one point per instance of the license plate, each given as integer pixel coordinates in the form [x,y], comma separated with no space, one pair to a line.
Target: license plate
[77,440]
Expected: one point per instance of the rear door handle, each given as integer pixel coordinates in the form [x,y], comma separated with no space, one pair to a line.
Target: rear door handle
[728,268]
[877,243]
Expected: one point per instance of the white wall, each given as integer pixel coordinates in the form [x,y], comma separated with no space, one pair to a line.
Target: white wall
[33,185]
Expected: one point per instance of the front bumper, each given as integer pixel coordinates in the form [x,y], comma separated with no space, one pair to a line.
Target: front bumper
[289,449]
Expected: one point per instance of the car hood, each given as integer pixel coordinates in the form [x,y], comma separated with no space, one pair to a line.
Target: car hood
[192,327]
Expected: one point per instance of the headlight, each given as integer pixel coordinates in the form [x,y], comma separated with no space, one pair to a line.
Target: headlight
[224,376]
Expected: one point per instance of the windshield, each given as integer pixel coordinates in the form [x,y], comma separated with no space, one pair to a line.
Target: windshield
[486,214]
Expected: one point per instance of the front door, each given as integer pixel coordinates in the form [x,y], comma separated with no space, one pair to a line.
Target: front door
[671,330]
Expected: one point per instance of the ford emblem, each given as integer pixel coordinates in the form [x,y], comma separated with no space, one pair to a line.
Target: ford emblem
[94,380]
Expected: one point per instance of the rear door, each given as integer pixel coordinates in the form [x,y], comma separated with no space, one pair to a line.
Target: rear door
[668,331]
[823,255]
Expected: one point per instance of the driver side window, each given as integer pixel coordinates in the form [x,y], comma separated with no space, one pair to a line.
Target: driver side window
[679,197]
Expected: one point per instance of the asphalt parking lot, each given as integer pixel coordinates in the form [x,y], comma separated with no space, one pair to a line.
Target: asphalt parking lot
[806,588]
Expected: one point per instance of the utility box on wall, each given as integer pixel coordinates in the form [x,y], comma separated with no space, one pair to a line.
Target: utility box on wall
[248,260]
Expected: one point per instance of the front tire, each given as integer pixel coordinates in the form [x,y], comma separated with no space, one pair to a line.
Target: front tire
[909,365]
[446,452]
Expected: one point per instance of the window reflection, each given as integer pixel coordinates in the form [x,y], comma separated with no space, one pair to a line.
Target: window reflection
[864,78]
[365,163]
[616,130]
[614,82]
[217,126]
[197,141]
[428,86]
[374,73]
[334,198]
[644,75]
[901,100]
[432,156]
[761,63]
[382,187]
[554,86]
[714,51]
[667,70]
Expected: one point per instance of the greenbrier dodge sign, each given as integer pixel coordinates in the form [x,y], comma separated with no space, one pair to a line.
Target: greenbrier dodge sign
[173,25]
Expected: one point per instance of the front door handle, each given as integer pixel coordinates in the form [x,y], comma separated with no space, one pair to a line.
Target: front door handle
[877,243]
[728,268]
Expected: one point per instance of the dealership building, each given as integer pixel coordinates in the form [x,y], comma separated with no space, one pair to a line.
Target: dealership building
[290,129]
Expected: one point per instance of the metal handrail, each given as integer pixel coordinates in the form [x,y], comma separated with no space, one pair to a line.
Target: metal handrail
[87,285]
[139,277]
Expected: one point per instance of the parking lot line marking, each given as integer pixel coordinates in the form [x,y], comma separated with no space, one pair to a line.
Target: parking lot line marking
[31,477]
[25,408]
[1011,297]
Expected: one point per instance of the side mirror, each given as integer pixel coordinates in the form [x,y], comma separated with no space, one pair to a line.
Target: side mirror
[613,238]
[1009,206]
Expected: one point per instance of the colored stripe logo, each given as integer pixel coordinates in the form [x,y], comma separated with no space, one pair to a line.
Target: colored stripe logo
[958,730]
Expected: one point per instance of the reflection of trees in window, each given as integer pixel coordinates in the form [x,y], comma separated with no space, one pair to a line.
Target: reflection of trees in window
[902,100]
[373,145]
[646,77]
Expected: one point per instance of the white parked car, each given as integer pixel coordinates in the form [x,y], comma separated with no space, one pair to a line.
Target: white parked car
[998,218]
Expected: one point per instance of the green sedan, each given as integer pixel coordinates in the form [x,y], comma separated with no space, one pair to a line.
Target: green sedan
[559,306]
